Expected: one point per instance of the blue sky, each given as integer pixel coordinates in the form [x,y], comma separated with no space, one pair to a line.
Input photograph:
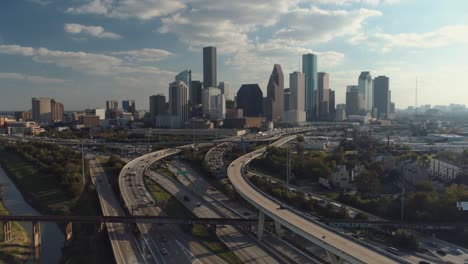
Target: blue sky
[83,52]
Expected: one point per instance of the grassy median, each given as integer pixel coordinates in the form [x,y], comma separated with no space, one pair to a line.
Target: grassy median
[176,209]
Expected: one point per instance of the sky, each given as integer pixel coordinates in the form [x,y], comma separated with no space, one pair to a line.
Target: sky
[84,52]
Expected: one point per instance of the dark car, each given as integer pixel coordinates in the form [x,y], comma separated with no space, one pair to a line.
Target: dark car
[186,198]
[441,252]
[431,244]
[423,262]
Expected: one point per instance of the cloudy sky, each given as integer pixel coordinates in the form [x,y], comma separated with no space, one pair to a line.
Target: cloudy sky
[83,52]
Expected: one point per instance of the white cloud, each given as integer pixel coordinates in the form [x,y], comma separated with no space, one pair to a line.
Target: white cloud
[30,78]
[40,2]
[94,31]
[316,25]
[445,36]
[16,50]
[353,2]
[143,55]
[141,9]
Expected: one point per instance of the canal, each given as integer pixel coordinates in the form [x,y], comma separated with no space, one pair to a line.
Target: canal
[52,238]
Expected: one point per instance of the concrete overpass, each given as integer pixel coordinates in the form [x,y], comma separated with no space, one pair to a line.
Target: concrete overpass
[340,248]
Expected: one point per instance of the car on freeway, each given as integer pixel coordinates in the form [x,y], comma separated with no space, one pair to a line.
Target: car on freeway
[423,262]
[164,239]
[198,204]
[441,252]
[456,251]
[186,198]
[164,251]
[431,244]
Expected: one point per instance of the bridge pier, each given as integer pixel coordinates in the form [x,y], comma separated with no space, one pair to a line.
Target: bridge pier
[68,231]
[36,241]
[6,231]
[36,234]
[278,229]
[261,225]
[334,259]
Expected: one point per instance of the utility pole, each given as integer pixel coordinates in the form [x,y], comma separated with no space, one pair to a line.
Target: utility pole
[288,168]
[82,162]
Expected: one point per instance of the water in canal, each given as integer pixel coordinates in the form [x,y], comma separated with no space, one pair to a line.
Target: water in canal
[52,238]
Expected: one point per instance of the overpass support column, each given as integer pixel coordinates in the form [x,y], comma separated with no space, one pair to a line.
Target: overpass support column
[334,259]
[36,241]
[68,231]
[36,234]
[278,229]
[261,225]
[6,231]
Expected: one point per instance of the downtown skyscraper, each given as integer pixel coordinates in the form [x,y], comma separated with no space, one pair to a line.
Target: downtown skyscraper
[366,91]
[209,67]
[309,68]
[382,96]
[323,94]
[178,102]
[275,95]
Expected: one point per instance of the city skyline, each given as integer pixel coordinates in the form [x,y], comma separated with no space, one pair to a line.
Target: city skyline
[84,56]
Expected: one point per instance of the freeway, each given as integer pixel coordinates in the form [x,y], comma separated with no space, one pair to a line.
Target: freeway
[240,244]
[124,243]
[317,233]
[222,205]
[167,243]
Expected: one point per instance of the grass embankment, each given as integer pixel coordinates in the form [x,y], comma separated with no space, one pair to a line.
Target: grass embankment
[43,191]
[175,209]
[17,250]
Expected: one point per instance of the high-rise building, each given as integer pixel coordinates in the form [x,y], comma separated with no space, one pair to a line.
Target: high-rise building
[129,106]
[57,111]
[209,67]
[250,99]
[275,94]
[213,103]
[224,86]
[353,100]
[186,77]
[158,105]
[323,92]
[41,110]
[382,96]
[23,116]
[309,68]
[331,103]
[112,105]
[297,91]
[287,94]
[196,93]
[366,91]
[178,102]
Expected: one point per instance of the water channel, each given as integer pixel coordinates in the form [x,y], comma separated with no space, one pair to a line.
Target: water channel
[52,238]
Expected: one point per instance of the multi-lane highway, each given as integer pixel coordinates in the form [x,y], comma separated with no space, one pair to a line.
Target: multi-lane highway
[238,242]
[124,244]
[168,243]
[315,232]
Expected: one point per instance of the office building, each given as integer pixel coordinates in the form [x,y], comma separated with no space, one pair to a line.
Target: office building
[23,116]
[309,68]
[323,92]
[340,112]
[366,91]
[275,95]
[57,111]
[41,110]
[158,105]
[112,105]
[250,100]
[129,106]
[331,102]
[287,94]
[178,102]
[213,103]
[296,107]
[209,67]
[185,76]
[224,87]
[353,100]
[99,112]
[382,96]
[196,93]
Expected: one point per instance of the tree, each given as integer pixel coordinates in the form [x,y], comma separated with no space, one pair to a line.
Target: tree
[405,240]
[367,183]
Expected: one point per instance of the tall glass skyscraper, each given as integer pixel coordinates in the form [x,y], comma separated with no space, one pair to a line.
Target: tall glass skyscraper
[209,67]
[275,95]
[309,68]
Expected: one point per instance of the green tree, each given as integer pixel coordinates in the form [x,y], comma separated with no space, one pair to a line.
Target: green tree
[367,183]
[405,240]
